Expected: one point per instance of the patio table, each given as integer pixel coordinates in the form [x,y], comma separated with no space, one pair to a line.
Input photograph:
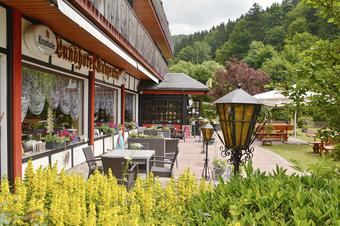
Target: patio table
[144,155]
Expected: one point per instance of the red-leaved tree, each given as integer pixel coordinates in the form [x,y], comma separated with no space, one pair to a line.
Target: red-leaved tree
[238,72]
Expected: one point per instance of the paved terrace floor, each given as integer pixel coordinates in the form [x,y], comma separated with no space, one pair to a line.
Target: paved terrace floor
[191,156]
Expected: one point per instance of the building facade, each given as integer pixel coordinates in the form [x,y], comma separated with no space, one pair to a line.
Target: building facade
[71,68]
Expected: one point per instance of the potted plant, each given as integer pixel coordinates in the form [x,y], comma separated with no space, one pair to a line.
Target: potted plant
[54,141]
[219,167]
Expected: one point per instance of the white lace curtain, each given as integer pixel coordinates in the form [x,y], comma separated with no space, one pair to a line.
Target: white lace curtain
[59,91]
[104,99]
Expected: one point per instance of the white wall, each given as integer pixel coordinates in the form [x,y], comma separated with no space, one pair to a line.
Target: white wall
[3,29]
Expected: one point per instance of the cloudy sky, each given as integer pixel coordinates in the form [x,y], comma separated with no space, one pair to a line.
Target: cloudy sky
[188,16]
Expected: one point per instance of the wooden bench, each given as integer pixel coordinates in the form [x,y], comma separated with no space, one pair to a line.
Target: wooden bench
[278,132]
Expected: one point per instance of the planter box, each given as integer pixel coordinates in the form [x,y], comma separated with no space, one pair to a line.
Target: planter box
[154,132]
[156,144]
[52,145]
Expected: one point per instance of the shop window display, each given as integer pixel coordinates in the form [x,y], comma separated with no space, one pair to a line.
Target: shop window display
[51,108]
[105,110]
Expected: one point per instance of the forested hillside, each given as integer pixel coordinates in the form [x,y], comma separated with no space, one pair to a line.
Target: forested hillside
[271,26]
[293,46]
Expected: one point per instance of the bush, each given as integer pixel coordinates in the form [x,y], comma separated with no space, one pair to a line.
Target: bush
[45,197]
[275,199]
[336,153]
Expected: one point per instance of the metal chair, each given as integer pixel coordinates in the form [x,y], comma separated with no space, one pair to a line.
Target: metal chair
[171,146]
[92,161]
[164,171]
[125,175]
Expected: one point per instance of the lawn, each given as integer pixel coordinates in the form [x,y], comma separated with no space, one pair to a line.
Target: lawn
[301,153]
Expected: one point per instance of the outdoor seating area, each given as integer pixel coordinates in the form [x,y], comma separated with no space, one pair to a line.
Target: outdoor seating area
[274,131]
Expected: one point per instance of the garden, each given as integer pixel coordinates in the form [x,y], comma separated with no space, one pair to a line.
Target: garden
[46,197]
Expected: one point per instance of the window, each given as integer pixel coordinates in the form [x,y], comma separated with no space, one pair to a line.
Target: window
[130,107]
[162,111]
[105,104]
[50,103]
[194,111]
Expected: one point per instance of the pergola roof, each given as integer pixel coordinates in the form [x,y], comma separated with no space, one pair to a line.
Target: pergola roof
[174,82]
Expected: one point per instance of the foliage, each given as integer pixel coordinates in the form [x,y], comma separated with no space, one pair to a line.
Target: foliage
[56,138]
[201,72]
[142,135]
[327,133]
[258,53]
[238,72]
[130,125]
[46,197]
[275,199]
[328,9]
[336,153]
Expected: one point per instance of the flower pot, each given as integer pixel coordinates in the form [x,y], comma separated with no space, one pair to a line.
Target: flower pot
[53,145]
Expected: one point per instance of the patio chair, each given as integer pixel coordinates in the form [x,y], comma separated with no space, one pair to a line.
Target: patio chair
[117,166]
[180,133]
[164,171]
[92,161]
[171,146]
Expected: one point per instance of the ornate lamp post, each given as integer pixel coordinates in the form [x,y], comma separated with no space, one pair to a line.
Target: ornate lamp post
[238,112]
[207,133]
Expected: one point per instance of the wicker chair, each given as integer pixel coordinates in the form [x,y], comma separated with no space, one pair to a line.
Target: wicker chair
[92,161]
[126,176]
[164,171]
[171,146]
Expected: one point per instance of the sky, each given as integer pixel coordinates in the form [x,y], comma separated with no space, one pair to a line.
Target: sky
[189,16]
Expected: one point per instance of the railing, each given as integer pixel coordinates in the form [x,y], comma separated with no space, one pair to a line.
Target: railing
[123,19]
[158,5]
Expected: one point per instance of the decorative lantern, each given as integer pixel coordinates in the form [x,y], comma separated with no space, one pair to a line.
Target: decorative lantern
[207,133]
[238,112]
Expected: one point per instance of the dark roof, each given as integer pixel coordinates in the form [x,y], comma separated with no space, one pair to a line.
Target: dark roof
[174,81]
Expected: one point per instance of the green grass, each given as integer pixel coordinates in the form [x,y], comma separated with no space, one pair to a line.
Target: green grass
[301,153]
[303,136]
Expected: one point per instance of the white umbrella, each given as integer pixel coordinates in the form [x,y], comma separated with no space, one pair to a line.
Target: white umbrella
[275,98]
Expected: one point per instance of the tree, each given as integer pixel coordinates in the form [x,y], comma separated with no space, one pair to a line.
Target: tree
[328,9]
[258,53]
[238,72]
[186,54]
[299,25]
[183,67]
[202,52]
[206,70]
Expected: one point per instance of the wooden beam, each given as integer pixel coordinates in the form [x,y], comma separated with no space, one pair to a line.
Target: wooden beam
[15,147]
[122,107]
[92,77]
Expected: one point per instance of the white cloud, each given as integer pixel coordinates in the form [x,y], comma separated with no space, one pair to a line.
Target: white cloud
[188,16]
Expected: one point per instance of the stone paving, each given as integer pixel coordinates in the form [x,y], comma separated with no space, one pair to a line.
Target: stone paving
[191,156]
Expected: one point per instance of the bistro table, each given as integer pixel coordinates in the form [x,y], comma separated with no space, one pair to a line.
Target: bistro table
[144,155]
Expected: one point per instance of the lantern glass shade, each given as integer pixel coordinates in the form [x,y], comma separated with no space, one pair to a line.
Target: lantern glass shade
[237,123]
[207,132]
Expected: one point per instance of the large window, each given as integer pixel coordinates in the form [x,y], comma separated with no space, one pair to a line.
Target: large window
[130,107]
[105,104]
[162,111]
[50,104]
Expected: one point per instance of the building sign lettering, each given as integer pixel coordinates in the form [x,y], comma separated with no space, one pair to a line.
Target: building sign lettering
[75,55]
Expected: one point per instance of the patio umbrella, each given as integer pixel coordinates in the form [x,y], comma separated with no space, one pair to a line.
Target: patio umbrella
[275,98]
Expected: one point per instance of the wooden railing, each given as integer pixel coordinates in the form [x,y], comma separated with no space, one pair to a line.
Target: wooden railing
[158,5]
[122,17]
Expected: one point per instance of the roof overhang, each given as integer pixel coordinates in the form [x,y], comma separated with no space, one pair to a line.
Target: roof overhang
[68,22]
[148,16]
[174,92]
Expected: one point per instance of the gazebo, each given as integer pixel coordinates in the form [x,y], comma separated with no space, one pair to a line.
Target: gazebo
[173,101]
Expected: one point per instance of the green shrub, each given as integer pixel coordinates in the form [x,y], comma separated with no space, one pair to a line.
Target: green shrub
[275,199]
[336,153]
[46,197]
